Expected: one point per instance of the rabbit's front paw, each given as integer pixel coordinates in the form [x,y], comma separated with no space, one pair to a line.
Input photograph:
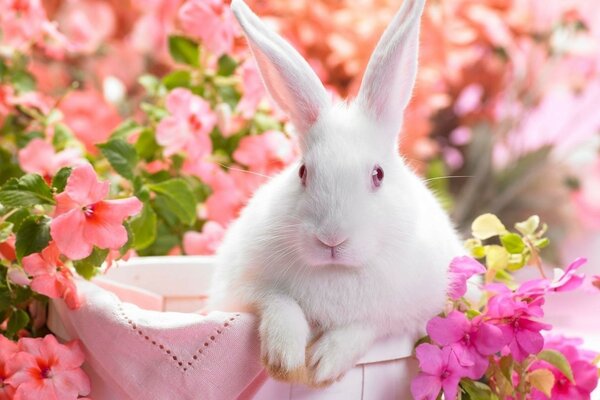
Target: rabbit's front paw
[334,353]
[283,348]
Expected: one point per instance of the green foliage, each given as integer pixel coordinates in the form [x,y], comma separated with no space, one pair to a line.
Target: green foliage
[60,179]
[184,50]
[121,155]
[176,196]
[33,235]
[143,228]
[90,266]
[28,190]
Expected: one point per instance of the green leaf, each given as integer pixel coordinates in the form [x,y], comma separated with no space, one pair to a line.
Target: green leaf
[178,197]
[28,190]
[558,360]
[33,235]
[184,50]
[60,179]
[23,81]
[496,257]
[229,95]
[150,83]
[486,226]
[62,135]
[165,241]
[529,226]
[18,320]
[543,380]
[513,243]
[541,243]
[121,156]
[125,129]
[177,79]
[146,145]
[90,266]
[6,228]
[143,228]
[18,217]
[9,165]
[476,390]
[227,65]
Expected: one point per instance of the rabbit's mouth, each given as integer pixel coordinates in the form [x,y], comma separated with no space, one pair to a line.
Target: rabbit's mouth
[331,253]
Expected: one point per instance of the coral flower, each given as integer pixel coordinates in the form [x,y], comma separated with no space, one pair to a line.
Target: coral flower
[217,29]
[49,370]
[50,276]
[7,350]
[84,219]
[205,242]
[189,125]
[267,153]
[39,157]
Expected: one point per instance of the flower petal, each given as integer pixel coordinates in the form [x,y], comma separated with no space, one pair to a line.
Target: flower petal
[488,339]
[430,358]
[448,330]
[104,234]
[425,387]
[67,230]
[83,186]
[115,211]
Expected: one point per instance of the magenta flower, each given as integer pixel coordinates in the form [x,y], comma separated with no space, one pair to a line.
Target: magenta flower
[585,374]
[472,341]
[568,279]
[84,219]
[189,125]
[440,369]
[461,269]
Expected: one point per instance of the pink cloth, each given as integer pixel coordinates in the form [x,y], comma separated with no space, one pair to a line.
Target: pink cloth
[140,354]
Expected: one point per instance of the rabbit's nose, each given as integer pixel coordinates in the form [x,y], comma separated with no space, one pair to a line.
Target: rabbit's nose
[331,241]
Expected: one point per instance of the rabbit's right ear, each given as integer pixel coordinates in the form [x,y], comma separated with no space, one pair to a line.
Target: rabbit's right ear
[390,76]
[289,79]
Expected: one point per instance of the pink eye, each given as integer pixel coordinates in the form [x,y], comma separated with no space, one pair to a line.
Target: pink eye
[377,176]
[302,174]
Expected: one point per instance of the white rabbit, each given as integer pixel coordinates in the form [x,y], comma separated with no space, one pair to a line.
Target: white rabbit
[347,245]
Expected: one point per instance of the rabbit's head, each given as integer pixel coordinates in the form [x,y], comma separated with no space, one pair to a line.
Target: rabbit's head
[350,181]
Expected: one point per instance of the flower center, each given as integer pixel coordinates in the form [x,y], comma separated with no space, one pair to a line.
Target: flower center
[195,122]
[88,210]
[445,374]
[21,6]
[46,373]
[467,338]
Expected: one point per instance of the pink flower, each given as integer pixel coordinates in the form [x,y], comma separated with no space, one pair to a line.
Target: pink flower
[189,125]
[49,370]
[585,374]
[267,153]
[39,157]
[461,269]
[8,349]
[254,89]
[22,23]
[90,117]
[440,369]
[84,219]
[204,243]
[217,27]
[87,24]
[472,340]
[50,276]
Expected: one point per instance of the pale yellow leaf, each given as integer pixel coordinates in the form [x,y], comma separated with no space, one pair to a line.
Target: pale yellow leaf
[542,380]
[486,226]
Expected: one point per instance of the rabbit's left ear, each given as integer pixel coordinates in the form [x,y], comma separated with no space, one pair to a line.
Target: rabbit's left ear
[289,79]
[391,73]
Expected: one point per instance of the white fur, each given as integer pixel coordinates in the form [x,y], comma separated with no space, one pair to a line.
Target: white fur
[390,274]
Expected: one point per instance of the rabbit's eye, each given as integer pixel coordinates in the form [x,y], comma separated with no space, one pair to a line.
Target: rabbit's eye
[302,174]
[377,176]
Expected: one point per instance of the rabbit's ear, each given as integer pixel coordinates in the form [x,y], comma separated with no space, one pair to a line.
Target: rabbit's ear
[289,79]
[390,75]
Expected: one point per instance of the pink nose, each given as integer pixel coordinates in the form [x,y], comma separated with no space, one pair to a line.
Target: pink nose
[330,241]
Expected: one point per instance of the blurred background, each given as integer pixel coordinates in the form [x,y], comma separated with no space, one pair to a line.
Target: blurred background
[505,117]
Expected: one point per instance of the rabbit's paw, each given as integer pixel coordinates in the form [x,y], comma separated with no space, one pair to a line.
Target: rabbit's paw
[334,353]
[283,350]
